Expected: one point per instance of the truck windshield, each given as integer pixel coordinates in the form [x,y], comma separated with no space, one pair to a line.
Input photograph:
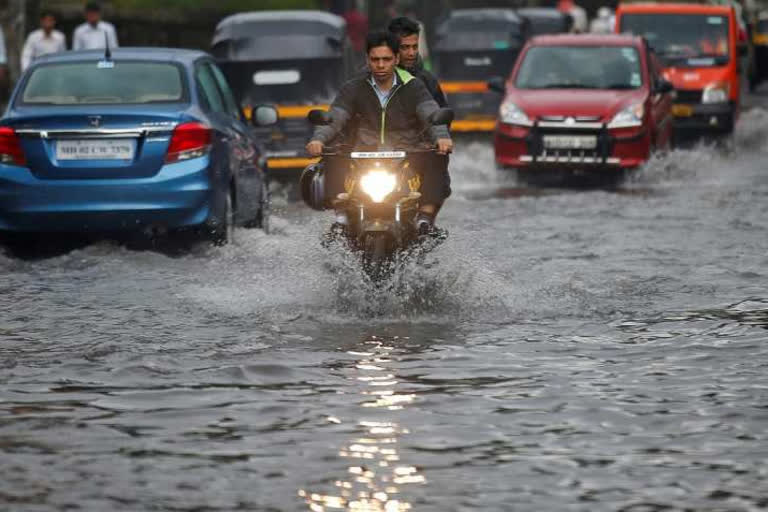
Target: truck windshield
[580,67]
[693,39]
[120,82]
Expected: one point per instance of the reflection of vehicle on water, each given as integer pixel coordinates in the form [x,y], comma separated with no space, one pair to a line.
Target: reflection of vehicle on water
[473,44]
[144,139]
[546,20]
[381,198]
[582,104]
[294,59]
[698,47]
[760,40]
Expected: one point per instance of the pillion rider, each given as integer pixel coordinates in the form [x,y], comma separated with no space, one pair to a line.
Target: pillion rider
[387,108]
[408,31]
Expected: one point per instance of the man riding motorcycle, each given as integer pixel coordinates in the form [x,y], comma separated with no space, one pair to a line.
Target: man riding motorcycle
[387,108]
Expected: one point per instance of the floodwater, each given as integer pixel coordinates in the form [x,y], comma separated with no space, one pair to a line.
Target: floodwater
[565,349]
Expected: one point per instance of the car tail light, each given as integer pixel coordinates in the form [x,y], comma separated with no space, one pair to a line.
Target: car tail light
[11,151]
[189,140]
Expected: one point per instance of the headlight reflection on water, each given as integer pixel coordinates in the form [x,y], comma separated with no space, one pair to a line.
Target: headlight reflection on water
[378,184]
[375,479]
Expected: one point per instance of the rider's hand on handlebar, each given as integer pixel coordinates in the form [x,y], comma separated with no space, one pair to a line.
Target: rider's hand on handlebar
[315,148]
[444,146]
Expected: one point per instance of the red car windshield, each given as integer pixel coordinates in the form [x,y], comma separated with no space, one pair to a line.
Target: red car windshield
[580,67]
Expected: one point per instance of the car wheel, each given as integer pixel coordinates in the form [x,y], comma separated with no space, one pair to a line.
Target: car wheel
[222,227]
[265,210]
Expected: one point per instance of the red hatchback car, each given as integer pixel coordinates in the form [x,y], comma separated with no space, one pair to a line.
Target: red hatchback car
[582,103]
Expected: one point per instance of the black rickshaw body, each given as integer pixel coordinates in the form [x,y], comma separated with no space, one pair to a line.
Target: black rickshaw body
[546,20]
[294,60]
[471,46]
[760,40]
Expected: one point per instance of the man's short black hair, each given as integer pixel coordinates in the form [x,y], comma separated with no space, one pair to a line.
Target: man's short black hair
[382,38]
[404,27]
[93,7]
[45,13]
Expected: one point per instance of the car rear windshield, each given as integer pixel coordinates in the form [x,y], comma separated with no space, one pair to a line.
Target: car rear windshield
[467,33]
[689,39]
[580,67]
[105,83]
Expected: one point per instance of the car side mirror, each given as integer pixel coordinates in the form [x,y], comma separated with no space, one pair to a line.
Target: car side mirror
[319,117]
[497,84]
[441,116]
[264,115]
[664,86]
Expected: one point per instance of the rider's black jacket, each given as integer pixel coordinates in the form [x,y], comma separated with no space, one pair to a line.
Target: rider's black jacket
[430,81]
[402,123]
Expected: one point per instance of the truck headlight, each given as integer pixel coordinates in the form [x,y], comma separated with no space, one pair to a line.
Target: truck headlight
[378,184]
[715,93]
[630,117]
[510,113]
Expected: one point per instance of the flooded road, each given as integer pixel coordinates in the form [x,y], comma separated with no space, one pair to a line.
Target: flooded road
[590,350]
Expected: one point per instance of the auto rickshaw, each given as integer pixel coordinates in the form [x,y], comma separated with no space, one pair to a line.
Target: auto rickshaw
[760,40]
[546,20]
[471,45]
[296,60]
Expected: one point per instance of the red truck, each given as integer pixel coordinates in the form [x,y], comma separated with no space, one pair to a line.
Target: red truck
[582,103]
[698,46]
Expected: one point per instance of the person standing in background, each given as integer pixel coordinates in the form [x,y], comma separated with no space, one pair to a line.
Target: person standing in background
[43,41]
[94,33]
[579,15]
[357,27]
[4,85]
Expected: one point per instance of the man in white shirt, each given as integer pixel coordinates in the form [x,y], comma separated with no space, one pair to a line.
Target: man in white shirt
[43,41]
[3,57]
[4,85]
[94,33]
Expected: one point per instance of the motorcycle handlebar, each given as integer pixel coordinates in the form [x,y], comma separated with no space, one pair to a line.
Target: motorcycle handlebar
[348,154]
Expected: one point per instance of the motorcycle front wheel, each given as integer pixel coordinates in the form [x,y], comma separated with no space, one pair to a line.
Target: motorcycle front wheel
[376,256]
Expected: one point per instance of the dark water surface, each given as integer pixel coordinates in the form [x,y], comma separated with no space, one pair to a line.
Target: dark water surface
[582,350]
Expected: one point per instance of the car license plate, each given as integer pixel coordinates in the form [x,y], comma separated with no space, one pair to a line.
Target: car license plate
[682,110]
[570,141]
[94,149]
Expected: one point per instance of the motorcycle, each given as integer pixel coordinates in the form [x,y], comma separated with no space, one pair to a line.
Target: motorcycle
[381,200]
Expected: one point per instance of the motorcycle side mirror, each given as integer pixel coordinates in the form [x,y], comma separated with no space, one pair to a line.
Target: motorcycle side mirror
[664,86]
[264,115]
[319,117]
[497,84]
[743,50]
[441,116]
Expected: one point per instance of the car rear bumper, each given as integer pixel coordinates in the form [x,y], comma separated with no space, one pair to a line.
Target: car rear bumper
[626,148]
[705,118]
[179,195]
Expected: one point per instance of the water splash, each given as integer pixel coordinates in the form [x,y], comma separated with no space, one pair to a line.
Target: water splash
[473,167]
[750,131]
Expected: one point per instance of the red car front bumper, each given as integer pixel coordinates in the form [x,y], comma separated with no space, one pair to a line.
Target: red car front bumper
[522,147]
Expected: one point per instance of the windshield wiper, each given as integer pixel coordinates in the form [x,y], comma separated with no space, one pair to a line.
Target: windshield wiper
[620,86]
[566,86]
[669,54]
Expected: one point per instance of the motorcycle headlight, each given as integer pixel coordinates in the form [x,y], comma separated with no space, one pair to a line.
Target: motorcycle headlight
[378,184]
[512,114]
[630,117]
[715,93]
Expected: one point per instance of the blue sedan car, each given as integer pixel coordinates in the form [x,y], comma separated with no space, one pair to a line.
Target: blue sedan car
[139,139]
